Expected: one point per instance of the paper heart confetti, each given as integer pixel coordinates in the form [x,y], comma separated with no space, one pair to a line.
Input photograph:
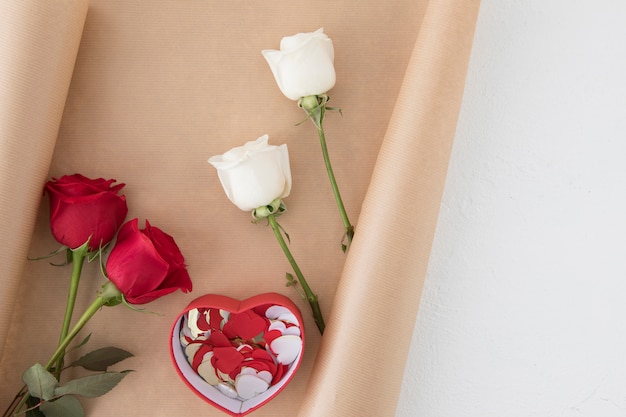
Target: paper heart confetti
[238,355]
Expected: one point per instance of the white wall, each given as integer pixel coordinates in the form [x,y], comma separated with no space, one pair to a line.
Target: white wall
[524,308]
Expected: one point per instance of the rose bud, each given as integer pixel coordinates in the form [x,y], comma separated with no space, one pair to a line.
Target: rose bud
[84,209]
[255,174]
[304,64]
[146,264]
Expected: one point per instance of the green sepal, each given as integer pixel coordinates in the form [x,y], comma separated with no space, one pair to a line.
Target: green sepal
[137,309]
[315,108]
[82,249]
[53,254]
[112,302]
[111,295]
[276,207]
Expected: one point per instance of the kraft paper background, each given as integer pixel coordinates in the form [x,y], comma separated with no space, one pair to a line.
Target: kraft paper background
[145,92]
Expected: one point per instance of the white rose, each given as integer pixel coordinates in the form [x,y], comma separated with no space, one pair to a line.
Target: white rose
[304,65]
[255,174]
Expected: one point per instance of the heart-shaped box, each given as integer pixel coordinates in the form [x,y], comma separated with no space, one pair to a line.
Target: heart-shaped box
[282,321]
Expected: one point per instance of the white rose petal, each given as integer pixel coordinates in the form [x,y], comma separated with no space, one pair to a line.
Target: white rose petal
[255,174]
[304,65]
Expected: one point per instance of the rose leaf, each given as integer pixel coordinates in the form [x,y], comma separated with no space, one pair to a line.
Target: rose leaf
[67,406]
[40,383]
[92,385]
[101,359]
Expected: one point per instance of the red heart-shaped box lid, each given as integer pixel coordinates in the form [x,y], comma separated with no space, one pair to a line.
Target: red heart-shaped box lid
[233,320]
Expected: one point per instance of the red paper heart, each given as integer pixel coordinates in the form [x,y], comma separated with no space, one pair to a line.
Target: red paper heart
[246,325]
[230,333]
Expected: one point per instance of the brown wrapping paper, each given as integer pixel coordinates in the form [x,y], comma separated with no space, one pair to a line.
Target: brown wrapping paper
[39,41]
[158,87]
[360,364]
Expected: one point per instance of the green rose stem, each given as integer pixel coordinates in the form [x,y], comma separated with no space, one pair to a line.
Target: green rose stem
[109,295]
[310,297]
[78,259]
[315,106]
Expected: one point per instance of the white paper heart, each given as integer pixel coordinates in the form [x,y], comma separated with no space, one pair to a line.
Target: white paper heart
[249,386]
[287,348]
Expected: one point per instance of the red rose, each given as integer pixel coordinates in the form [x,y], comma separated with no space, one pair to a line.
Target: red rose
[82,208]
[146,264]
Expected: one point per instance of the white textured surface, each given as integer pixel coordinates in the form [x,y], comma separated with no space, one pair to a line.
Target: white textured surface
[524,308]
